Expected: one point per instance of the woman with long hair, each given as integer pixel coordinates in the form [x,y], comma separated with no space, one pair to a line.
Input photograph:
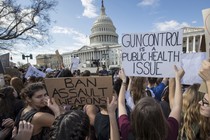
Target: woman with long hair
[204,73]
[190,113]
[147,120]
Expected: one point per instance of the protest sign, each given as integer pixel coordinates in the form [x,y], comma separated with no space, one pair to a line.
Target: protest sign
[32,71]
[206,20]
[191,63]
[74,63]
[5,60]
[80,90]
[151,54]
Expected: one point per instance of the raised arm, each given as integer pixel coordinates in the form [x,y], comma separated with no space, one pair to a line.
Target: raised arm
[111,107]
[171,91]
[177,104]
[129,99]
[121,98]
[205,74]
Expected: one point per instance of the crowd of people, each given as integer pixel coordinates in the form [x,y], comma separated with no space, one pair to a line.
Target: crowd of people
[141,108]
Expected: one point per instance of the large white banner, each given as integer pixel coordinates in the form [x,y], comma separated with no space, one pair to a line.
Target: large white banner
[32,71]
[191,63]
[151,54]
[206,20]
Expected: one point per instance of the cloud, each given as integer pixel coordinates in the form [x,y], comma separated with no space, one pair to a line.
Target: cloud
[194,22]
[169,25]
[90,9]
[148,2]
[80,38]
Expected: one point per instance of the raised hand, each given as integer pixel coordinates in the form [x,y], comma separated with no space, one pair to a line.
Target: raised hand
[24,132]
[179,72]
[204,72]
[53,106]
[122,75]
[111,107]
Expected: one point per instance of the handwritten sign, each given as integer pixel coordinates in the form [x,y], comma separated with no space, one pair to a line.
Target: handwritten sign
[5,60]
[151,54]
[80,90]
[32,71]
[191,63]
[206,19]
[75,63]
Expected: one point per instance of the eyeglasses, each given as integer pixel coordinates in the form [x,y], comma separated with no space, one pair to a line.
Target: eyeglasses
[204,102]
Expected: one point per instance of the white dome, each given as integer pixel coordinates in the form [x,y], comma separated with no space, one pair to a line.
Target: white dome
[103,31]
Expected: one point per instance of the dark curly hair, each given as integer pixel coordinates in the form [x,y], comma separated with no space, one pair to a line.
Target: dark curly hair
[72,125]
[30,89]
[7,101]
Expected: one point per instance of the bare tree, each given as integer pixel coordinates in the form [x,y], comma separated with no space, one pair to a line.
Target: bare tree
[29,23]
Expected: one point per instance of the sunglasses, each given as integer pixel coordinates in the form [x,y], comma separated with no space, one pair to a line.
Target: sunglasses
[204,102]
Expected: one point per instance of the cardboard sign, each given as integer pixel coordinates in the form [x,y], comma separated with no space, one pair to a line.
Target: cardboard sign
[80,90]
[32,71]
[151,54]
[191,63]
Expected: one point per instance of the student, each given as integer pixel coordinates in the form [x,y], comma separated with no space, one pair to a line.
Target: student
[147,119]
[35,96]
[157,89]
[190,113]
[205,102]
[17,84]
[9,108]
[102,72]
[72,125]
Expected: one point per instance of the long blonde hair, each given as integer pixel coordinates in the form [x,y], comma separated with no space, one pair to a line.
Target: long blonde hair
[190,112]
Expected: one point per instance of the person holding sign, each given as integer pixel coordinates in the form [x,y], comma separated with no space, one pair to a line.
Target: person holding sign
[35,96]
[147,118]
[205,102]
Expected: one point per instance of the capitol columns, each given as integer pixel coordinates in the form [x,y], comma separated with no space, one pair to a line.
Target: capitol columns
[193,44]
[187,47]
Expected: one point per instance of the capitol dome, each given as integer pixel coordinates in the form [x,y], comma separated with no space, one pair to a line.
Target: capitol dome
[103,32]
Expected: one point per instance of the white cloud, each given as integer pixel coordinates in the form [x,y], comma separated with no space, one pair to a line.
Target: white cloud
[90,9]
[148,2]
[194,22]
[80,38]
[169,25]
